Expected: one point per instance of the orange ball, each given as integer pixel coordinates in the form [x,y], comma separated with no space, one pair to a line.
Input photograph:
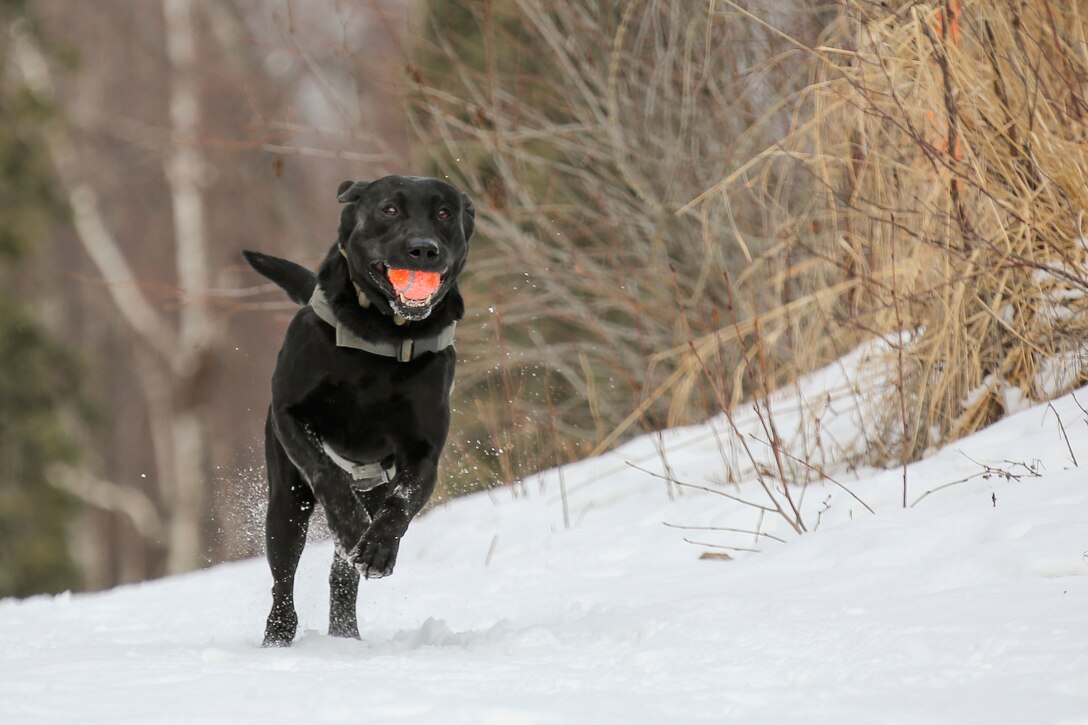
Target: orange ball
[414,284]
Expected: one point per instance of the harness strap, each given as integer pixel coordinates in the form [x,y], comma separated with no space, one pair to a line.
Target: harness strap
[406,351]
[375,473]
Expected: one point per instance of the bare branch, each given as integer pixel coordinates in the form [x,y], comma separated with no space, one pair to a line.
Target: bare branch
[132,503]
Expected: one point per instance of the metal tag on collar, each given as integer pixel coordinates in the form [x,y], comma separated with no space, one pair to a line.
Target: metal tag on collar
[406,348]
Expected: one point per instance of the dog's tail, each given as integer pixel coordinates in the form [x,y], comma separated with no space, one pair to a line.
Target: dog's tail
[297,281]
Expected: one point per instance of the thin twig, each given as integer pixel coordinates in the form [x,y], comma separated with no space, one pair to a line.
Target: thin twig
[719,546]
[757,534]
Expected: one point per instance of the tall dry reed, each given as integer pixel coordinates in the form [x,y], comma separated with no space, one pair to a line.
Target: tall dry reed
[945,147]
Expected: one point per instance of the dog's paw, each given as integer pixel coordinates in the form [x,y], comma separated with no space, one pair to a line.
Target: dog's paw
[280,629]
[376,555]
[347,630]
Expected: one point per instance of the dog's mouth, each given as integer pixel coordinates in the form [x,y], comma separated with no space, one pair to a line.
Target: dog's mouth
[411,291]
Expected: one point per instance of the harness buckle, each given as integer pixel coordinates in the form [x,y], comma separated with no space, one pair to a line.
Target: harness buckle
[406,349]
[388,474]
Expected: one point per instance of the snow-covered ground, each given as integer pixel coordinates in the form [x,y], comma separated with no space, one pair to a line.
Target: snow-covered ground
[969,607]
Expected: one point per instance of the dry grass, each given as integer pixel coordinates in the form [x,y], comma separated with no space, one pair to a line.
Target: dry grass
[685,205]
[581,128]
[945,148]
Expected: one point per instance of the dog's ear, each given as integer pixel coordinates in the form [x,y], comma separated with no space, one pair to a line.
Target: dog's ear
[350,190]
[468,216]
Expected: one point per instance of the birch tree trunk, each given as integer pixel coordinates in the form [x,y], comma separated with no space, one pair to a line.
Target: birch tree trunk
[184,165]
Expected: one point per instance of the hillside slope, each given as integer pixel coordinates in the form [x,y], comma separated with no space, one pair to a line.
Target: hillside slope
[970,607]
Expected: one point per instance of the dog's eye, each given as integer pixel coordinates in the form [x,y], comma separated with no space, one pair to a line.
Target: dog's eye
[443,213]
[389,210]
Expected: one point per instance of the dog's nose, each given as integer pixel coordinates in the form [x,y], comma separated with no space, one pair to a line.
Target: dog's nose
[425,250]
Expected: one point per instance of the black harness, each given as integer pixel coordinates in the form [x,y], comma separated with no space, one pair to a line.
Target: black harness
[366,476]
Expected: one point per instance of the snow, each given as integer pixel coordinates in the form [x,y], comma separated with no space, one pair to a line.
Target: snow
[969,607]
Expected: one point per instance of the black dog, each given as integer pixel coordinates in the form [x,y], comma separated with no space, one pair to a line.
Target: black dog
[360,396]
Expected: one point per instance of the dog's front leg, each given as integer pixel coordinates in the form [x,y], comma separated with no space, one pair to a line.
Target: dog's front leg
[348,519]
[290,503]
[376,554]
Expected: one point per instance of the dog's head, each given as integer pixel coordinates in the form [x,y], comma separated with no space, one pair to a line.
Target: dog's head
[405,239]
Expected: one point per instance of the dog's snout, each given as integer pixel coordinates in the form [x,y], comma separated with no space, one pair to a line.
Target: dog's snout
[425,250]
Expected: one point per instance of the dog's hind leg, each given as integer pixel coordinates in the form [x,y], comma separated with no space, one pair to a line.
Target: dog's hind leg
[290,503]
[343,592]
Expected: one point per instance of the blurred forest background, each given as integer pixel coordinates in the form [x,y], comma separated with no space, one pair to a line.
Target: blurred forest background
[682,204]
